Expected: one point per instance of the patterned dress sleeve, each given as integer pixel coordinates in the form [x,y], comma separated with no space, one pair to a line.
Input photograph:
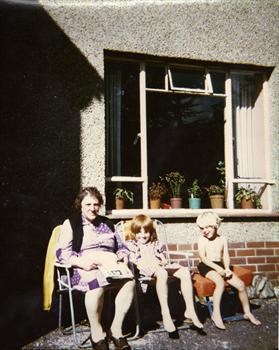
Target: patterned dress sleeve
[122,249]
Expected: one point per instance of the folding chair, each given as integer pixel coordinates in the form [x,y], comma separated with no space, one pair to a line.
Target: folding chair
[63,273]
[204,288]
[124,230]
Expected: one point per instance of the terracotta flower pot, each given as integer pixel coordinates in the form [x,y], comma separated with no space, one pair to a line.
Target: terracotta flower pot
[247,204]
[155,203]
[217,200]
[176,203]
[119,203]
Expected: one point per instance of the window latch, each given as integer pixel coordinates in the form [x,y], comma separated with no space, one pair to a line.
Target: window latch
[137,138]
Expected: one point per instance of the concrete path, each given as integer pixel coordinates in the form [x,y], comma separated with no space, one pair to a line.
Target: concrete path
[239,335]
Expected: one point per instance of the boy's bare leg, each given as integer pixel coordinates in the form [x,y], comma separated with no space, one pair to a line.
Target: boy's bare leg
[237,283]
[94,300]
[217,296]
[187,291]
[162,292]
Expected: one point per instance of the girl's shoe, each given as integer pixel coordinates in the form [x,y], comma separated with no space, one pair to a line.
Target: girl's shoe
[120,343]
[174,334]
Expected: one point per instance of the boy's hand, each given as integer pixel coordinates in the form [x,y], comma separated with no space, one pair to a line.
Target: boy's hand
[228,274]
[221,271]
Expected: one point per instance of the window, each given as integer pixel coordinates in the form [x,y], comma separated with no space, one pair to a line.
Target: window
[163,116]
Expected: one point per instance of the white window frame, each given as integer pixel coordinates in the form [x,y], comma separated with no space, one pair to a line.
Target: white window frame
[228,148]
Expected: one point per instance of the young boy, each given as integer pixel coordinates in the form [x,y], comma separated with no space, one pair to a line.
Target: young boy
[215,265]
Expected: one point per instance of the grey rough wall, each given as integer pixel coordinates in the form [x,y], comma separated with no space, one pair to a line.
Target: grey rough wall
[236,31]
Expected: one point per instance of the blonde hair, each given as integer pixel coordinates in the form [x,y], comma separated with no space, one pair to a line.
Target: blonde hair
[208,218]
[145,222]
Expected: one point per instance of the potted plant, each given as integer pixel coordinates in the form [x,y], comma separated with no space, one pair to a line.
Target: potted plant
[156,191]
[121,196]
[175,181]
[194,192]
[217,192]
[248,198]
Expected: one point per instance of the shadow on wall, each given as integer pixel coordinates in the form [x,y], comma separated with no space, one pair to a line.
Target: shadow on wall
[45,82]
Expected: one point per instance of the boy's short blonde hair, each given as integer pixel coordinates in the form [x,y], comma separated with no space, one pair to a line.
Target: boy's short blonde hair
[208,218]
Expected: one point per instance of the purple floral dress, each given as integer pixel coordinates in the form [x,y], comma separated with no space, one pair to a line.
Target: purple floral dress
[95,238]
[145,256]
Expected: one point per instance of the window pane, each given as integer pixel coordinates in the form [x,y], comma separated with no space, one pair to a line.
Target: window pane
[187,78]
[155,76]
[122,119]
[218,82]
[186,134]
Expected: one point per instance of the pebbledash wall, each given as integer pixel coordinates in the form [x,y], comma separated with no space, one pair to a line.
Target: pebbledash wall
[236,31]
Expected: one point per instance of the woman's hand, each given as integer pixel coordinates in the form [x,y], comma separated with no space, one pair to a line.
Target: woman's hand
[87,265]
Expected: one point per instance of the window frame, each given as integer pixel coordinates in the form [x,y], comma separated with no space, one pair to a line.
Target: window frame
[230,210]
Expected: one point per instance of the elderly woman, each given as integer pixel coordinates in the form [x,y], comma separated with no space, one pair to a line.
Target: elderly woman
[81,237]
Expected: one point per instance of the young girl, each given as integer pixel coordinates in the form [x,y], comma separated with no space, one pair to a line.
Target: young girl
[215,265]
[147,254]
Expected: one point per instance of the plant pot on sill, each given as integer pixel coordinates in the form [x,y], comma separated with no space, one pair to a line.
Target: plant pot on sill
[247,204]
[119,203]
[194,203]
[176,203]
[155,203]
[217,201]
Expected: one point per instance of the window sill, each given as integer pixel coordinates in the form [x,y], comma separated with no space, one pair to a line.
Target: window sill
[189,213]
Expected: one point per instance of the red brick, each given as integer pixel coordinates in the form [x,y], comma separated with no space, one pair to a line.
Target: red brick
[272,275]
[272,244]
[185,247]
[232,252]
[256,260]
[276,252]
[272,259]
[183,263]
[238,261]
[236,245]
[255,244]
[172,246]
[264,252]
[268,267]
[245,252]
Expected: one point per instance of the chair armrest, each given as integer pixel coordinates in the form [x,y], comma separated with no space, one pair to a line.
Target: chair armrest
[182,254]
[64,266]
